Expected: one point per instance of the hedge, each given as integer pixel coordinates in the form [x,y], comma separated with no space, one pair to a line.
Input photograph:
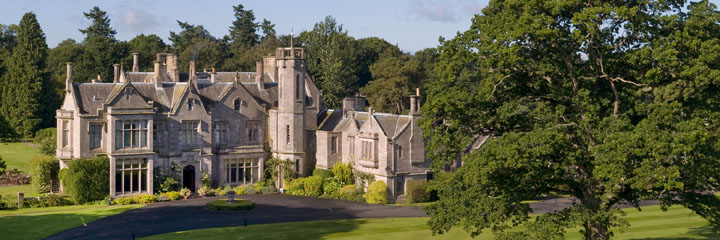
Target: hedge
[86,180]
[331,186]
[313,186]
[343,172]
[324,173]
[296,187]
[238,205]
[377,193]
[417,191]
[47,140]
[43,168]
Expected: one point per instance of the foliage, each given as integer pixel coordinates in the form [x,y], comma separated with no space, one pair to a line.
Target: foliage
[239,190]
[377,193]
[66,51]
[370,50]
[394,78]
[343,171]
[248,189]
[607,102]
[238,205]
[147,47]
[100,48]
[194,42]
[349,193]
[259,186]
[43,169]
[185,192]
[170,184]
[144,198]
[50,200]
[166,182]
[243,30]
[331,58]
[295,187]
[274,166]
[269,189]
[46,139]
[173,195]
[206,180]
[3,166]
[100,24]
[220,191]
[86,180]
[28,100]
[331,185]
[313,186]
[123,201]
[203,191]
[323,173]
[417,191]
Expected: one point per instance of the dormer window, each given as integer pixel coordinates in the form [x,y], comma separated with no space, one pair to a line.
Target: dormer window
[237,104]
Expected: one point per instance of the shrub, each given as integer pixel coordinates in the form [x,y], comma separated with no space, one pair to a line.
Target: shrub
[417,191]
[331,185]
[174,195]
[43,169]
[377,193]
[239,190]
[185,192]
[123,201]
[249,189]
[220,192]
[269,189]
[343,172]
[296,187]
[46,139]
[86,180]
[169,185]
[324,173]
[144,198]
[259,186]
[313,186]
[238,205]
[349,193]
[206,180]
[203,191]
[2,166]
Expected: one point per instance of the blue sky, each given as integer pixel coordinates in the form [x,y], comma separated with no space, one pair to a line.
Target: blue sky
[411,24]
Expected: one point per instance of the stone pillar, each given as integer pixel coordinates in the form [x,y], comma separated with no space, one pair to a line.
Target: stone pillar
[116,72]
[212,76]
[192,71]
[136,62]
[68,79]
[20,199]
[156,75]
[259,72]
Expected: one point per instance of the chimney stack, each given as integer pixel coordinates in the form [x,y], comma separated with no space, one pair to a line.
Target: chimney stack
[156,76]
[68,79]
[415,103]
[136,62]
[116,72]
[172,67]
[259,75]
[97,80]
[192,71]
[212,76]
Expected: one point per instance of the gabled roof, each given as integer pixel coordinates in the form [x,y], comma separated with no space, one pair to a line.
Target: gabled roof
[392,125]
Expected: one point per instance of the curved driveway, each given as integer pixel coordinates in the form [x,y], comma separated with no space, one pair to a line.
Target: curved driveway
[270,208]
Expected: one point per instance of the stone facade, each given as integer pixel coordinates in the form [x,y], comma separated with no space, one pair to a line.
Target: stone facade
[226,125]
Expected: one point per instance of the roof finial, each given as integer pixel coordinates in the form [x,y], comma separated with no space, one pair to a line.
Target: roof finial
[291,35]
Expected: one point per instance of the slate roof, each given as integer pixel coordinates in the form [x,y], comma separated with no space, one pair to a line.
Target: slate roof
[391,124]
[202,76]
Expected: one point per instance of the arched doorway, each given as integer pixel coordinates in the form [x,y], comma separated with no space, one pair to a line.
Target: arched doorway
[189,177]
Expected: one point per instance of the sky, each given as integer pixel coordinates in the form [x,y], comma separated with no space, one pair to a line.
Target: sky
[411,24]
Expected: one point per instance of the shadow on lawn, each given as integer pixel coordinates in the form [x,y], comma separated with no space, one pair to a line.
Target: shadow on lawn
[44,225]
[705,232]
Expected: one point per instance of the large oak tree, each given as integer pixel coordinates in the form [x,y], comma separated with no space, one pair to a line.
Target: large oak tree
[606,101]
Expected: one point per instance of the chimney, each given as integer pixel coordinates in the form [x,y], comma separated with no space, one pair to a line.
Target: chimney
[356,103]
[212,76]
[96,80]
[259,75]
[192,71]
[172,67]
[136,60]
[156,76]
[116,72]
[415,103]
[122,77]
[68,79]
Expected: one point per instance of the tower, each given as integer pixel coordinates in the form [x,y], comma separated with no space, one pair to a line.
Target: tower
[289,140]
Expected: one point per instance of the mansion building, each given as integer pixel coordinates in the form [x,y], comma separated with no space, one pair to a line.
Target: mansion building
[227,124]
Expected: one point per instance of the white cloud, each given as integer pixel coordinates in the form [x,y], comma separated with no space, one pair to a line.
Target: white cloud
[138,20]
[444,11]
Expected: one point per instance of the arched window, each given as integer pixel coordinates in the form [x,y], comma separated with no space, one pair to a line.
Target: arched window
[297,87]
[237,104]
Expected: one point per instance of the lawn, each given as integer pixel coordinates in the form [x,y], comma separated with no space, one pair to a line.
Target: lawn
[12,190]
[17,155]
[40,223]
[650,223]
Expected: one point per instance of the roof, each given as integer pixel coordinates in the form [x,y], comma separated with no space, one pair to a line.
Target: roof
[390,124]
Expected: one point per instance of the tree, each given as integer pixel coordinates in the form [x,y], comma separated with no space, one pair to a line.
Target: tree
[331,60]
[101,49]
[607,102]
[148,46]
[394,80]
[243,30]
[66,51]
[28,100]
[370,50]
[268,29]
[194,42]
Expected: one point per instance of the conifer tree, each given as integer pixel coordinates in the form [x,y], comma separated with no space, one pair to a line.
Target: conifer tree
[27,95]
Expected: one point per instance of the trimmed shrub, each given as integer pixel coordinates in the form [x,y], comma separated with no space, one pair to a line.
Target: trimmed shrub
[313,186]
[296,187]
[417,191]
[144,198]
[86,180]
[331,185]
[377,193]
[123,201]
[324,173]
[343,172]
[269,189]
[238,205]
[43,169]
[185,192]
[174,195]
[46,139]
[51,200]
[349,193]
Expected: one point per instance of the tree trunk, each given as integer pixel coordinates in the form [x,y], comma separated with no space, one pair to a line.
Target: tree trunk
[596,231]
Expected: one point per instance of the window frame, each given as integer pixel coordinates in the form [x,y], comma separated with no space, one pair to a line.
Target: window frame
[95,135]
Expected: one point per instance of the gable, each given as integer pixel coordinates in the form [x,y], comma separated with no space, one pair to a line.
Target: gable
[128,97]
[189,97]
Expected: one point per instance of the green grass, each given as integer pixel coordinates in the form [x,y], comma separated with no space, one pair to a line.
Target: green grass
[17,155]
[12,190]
[31,224]
[650,223]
